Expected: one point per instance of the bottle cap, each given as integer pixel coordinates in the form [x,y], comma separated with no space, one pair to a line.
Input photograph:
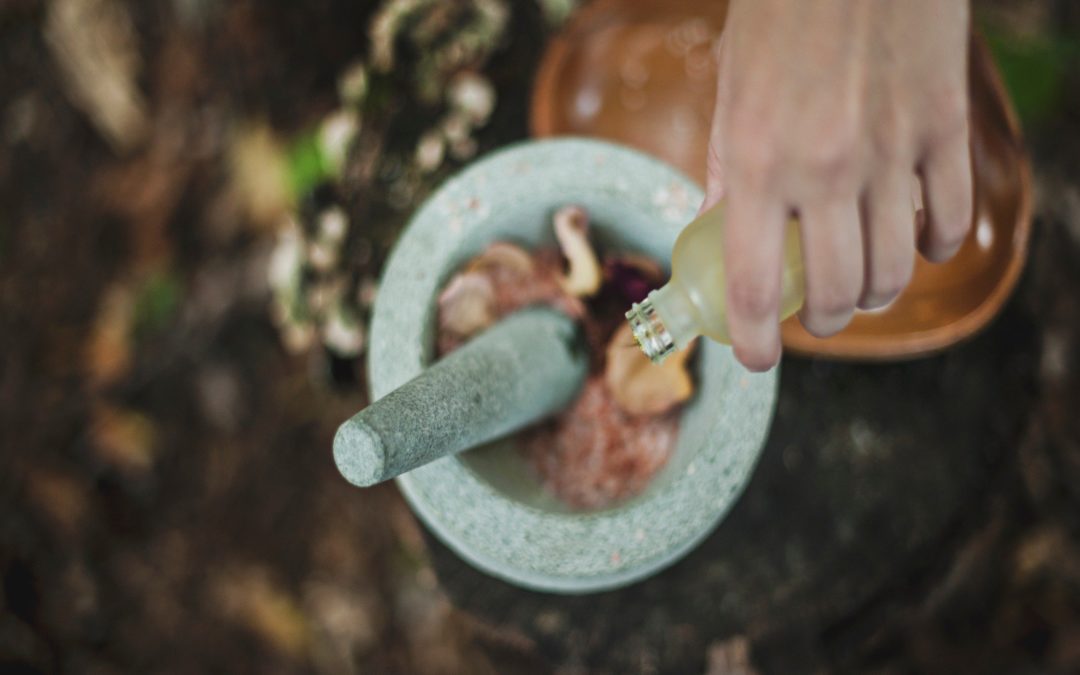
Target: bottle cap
[649,330]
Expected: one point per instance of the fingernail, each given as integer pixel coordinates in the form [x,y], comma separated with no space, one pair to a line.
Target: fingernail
[823,326]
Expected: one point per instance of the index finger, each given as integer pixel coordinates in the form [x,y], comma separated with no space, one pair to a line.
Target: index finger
[753,258]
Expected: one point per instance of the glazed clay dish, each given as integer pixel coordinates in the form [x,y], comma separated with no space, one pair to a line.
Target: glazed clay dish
[642,73]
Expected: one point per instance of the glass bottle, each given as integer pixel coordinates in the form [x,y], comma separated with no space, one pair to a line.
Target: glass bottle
[694,301]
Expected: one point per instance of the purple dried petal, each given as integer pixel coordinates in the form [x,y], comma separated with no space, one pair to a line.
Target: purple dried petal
[629,279]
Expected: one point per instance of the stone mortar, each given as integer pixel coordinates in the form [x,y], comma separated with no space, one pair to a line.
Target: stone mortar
[485,504]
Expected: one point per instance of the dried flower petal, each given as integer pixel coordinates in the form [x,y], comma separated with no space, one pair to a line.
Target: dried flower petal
[430,151]
[94,43]
[250,597]
[323,294]
[456,128]
[287,258]
[369,289]
[333,224]
[109,349]
[472,94]
[343,333]
[336,134]
[463,149]
[730,657]
[467,305]
[123,439]
[61,497]
[353,84]
[297,337]
[633,276]
[557,11]
[572,230]
[259,174]
[639,386]
[322,256]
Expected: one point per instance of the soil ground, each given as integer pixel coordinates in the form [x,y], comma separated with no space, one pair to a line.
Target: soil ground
[168,501]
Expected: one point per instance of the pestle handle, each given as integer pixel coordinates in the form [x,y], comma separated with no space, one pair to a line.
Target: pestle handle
[527,366]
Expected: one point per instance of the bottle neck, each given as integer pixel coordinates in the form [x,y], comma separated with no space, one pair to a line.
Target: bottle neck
[663,322]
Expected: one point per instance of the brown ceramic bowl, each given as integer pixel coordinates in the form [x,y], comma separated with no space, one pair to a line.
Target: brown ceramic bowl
[641,72]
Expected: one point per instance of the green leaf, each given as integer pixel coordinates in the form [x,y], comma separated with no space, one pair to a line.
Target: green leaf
[1034,69]
[156,302]
[307,165]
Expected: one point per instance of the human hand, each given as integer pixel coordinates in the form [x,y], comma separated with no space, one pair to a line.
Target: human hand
[827,110]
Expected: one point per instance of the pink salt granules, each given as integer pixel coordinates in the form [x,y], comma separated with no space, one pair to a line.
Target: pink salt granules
[594,453]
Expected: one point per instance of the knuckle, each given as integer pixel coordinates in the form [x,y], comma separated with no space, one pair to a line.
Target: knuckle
[949,132]
[832,160]
[949,122]
[750,298]
[752,141]
[752,115]
[890,136]
[753,158]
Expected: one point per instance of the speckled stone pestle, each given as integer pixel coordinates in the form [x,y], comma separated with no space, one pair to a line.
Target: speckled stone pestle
[525,367]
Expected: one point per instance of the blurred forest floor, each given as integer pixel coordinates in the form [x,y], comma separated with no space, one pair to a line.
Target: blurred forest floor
[168,501]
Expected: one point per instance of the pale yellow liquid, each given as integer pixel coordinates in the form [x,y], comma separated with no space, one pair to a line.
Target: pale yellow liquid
[697,276]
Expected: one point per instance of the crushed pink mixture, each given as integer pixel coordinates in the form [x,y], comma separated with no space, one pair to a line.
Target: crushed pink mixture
[593,453]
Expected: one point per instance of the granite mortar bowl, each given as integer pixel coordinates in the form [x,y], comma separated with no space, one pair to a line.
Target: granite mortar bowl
[485,504]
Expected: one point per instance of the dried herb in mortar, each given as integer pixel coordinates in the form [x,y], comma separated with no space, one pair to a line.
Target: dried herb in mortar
[620,431]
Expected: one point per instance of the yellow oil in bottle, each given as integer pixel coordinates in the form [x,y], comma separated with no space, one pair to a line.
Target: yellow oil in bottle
[694,301]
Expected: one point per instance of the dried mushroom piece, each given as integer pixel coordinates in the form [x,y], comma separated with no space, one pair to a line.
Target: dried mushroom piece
[583,276]
[503,256]
[467,304]
[638,386]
